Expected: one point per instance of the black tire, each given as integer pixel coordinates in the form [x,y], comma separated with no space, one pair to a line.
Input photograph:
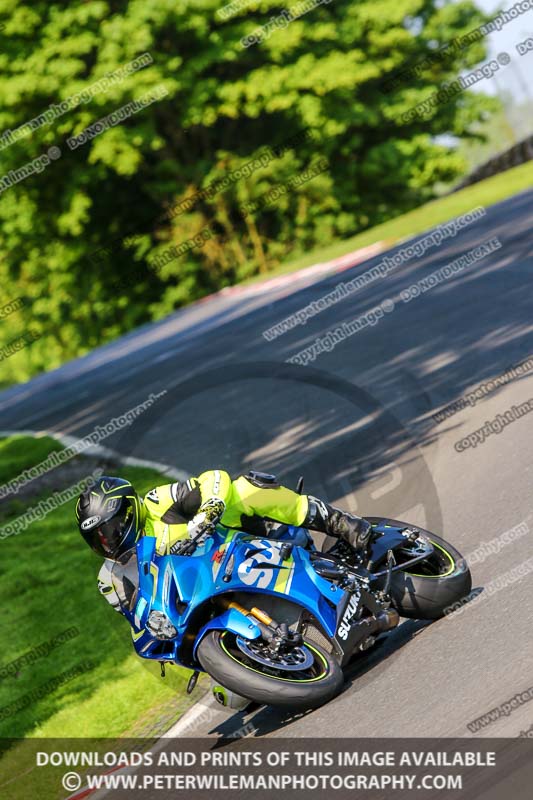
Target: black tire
[214,654]
[420,596]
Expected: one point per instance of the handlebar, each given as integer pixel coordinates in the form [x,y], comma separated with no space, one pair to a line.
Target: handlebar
[188,547]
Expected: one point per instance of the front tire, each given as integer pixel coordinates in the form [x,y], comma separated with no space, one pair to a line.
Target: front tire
[428,589]
[220,656]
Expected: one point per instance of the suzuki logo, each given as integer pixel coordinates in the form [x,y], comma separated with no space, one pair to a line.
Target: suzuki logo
[344,627]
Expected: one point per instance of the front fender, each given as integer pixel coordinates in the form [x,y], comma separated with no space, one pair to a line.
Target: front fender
[231,620]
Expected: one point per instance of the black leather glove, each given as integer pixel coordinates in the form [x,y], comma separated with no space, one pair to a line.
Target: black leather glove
[352,529]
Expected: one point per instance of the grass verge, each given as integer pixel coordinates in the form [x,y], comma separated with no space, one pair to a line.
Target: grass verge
[92,684]
[485,193]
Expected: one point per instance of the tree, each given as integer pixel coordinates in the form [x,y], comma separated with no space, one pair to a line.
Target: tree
[284,145]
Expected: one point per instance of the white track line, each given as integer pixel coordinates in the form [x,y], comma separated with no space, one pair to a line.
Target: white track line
[98,450]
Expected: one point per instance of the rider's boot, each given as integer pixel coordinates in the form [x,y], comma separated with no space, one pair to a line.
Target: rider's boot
[340,524]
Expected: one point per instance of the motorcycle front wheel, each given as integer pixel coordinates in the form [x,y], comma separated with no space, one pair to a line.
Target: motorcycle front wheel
[305,678]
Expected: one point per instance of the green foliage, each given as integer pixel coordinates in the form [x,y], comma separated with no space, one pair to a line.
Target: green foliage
[485,193]
[48,585]
[495,134]
[225,105]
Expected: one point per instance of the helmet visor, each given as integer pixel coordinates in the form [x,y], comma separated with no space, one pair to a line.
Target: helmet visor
[108,538]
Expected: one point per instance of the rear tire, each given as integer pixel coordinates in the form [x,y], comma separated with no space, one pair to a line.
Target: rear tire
[218,658]
[423,596]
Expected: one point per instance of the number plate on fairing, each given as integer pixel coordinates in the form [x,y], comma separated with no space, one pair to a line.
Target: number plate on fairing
[259,564]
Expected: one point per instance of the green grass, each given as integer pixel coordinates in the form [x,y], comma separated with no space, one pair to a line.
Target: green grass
[47,585]
[485,193]
[21,452]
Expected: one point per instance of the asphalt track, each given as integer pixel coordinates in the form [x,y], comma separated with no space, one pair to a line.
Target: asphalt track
[357,424]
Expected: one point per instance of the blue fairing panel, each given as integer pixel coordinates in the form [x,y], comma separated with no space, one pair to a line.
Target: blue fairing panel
[231,620]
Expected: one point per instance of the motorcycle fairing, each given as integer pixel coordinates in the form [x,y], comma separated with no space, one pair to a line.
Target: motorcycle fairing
[228,562]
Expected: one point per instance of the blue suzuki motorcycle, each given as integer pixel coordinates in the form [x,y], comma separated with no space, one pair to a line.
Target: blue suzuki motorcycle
[273,619]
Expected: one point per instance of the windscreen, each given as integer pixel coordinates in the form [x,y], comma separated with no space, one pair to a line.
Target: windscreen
[125,576]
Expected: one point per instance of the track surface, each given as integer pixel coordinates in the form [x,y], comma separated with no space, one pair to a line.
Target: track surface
[427,680]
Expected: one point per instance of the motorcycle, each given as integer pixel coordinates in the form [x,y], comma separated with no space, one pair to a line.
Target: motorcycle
[275,620]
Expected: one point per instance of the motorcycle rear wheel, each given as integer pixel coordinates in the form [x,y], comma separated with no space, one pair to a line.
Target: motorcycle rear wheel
[221,657]
[430,588]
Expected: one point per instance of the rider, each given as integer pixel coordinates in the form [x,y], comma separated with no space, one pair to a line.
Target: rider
[111,515]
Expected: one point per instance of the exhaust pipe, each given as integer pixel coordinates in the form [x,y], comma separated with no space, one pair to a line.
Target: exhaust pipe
[362,633]
[387,619]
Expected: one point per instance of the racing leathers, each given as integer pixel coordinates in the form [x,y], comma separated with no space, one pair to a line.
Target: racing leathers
[174,512]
